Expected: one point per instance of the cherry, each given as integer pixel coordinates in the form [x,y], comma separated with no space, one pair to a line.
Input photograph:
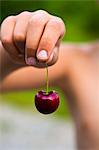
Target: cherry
[46,103]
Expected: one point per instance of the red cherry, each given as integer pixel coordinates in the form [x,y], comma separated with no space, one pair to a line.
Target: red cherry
[46,103]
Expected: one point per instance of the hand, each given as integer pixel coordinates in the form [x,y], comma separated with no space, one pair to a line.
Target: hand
[32,38]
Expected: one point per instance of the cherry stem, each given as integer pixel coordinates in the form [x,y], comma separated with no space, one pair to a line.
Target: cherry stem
[47,79]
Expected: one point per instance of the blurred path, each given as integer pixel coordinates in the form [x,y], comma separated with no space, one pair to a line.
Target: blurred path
[26,131]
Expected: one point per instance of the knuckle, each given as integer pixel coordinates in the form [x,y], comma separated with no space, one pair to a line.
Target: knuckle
[57,23]
[42,12]
[39,17]
[59,20]
[6,40]
[24,13]
[9,18]
[34,21]
[19,37]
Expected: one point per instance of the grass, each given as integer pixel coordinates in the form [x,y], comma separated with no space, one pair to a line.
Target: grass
[24,100]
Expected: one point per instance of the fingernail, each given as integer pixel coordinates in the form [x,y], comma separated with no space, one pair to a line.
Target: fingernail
[42,55]
[30,61]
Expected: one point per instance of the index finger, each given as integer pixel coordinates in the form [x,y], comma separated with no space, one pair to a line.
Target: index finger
[54,31]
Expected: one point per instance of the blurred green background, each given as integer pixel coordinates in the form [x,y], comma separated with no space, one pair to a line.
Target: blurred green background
[82,22]
[81,17]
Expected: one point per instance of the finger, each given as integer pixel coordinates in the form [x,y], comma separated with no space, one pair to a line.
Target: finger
[7,28]
[54,30]
[54,56]
[20,30]
[52,60]
[36,26]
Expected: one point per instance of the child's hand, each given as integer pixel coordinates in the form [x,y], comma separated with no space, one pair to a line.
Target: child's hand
[32,37]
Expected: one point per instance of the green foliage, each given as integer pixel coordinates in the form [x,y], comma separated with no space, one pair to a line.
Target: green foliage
[81,17]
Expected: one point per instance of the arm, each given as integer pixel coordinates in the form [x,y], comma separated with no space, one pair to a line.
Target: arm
[71,58]
[77,74]
[7,65]
[27,77]
[30,39]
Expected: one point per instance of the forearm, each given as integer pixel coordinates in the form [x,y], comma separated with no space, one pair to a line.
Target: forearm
[69,55]
[31,77]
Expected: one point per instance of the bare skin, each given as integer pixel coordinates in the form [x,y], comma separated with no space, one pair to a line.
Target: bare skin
[76,72]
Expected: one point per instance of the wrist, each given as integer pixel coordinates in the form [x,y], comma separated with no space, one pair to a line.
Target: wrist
[7,65]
